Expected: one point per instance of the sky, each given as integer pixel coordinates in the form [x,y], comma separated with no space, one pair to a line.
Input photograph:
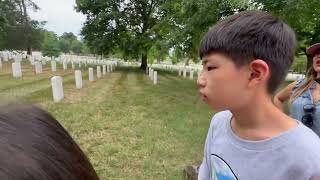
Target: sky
[60,16]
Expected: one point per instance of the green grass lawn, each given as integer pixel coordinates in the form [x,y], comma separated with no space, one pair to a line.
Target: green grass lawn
[128,127]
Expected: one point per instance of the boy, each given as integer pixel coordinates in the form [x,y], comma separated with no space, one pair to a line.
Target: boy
[245,58]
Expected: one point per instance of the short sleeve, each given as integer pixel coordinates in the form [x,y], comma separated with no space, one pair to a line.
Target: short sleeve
[298,83]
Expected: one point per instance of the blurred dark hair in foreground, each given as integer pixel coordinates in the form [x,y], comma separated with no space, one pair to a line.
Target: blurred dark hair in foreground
[33,145]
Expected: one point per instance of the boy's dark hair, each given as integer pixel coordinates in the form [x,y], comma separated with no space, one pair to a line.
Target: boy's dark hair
[33,145]
[253,35]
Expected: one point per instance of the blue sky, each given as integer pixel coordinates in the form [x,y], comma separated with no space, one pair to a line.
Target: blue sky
[60,16]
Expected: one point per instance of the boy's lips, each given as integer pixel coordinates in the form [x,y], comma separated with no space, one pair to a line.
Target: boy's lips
[203,95]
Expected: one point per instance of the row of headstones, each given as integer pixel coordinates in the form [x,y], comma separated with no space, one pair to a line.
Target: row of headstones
[171,67]
[6,56]
[57,82]
[182,70]
[86,59]
[17,72]
[153,75]
[191,73]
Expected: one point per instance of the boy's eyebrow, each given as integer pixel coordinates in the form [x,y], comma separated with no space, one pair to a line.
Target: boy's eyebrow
[204,61]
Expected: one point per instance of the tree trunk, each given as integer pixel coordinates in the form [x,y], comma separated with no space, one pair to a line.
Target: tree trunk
[27,27]
[187,62]
[29,51]
[158,60]
[144,62]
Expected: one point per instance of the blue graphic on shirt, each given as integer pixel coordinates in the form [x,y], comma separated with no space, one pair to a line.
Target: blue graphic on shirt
[220,169]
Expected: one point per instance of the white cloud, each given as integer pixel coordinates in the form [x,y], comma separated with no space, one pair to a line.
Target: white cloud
[60,16]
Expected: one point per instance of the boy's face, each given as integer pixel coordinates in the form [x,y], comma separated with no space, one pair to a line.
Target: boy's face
[222,85]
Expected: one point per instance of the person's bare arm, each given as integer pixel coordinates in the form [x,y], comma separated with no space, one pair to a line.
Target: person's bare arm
[283,95]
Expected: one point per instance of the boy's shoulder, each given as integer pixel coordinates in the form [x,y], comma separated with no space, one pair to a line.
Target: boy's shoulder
[219,122]
[304,148]
[300,138]
[305,140]
[221,117]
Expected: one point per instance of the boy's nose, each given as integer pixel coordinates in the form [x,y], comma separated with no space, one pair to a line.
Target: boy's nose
[201,81]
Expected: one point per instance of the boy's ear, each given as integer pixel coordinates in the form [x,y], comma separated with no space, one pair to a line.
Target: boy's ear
[258,71]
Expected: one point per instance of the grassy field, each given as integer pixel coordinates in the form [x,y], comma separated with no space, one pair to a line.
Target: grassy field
[128,127]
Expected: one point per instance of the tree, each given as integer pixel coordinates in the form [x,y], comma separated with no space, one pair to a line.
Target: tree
[189,20]
[64,45]
[50,45]
[68,36]
[65,41]
[68,42]
[305,21]
[17,30]
[125,26]
[77,47]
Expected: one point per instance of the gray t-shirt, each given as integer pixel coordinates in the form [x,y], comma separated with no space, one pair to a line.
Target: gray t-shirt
[293,155]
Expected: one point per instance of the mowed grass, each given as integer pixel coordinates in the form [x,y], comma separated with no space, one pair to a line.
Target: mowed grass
[128,127]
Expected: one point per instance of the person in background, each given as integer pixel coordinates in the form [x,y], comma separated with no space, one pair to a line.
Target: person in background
[304,94]
[33,145]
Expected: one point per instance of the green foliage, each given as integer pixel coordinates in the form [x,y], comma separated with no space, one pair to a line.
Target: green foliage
[77,47]
[300,64]
[50,46]
[17,30]
[302,16]
[68,43]
[123,26]
[64,45]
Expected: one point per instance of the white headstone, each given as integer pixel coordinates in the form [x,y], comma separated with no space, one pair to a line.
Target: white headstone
[150,72]
[191,75]
[72,65]
[91,77]
[38,67]
[44,62]
[6,57]
[151,76]
[79,64]
[155,77]
[184,72]
[29,57]
[65,65]
[17,58]
[147,70]
[0,63]
[53,66]
[104,69]
[78,78]
[57,88]
[31,60]
[180,72]
[108,68]
[98,72]
[16,70]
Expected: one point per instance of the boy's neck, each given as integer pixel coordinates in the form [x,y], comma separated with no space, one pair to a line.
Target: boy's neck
[262,120]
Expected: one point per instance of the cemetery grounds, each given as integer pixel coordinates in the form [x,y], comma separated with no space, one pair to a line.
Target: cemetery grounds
[128,127]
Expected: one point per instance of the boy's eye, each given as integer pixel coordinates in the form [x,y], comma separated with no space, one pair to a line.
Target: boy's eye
[210,68]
